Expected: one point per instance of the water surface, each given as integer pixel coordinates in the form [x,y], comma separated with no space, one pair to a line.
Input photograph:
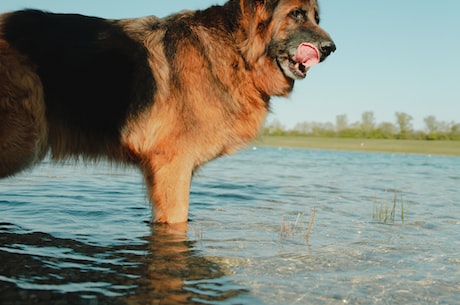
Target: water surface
[82,234]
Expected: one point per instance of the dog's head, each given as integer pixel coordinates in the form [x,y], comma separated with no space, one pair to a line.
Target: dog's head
[288,32]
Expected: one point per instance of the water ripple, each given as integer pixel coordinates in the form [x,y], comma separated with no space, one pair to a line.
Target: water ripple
[82,234]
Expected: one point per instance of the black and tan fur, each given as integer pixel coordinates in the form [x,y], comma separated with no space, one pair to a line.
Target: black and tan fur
[166,94]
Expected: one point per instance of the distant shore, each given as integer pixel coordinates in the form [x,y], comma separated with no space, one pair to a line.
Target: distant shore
[438,147]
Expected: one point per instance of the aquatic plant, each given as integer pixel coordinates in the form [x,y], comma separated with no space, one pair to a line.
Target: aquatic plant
[310,223]
[386,212]
[289,229]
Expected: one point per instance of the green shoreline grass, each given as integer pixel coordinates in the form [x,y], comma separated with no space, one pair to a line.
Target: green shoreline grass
[451,148]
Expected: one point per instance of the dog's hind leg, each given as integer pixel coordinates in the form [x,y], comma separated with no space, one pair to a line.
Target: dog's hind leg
[23,128]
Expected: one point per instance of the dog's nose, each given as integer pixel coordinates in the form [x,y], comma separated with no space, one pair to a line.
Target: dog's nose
[326,48]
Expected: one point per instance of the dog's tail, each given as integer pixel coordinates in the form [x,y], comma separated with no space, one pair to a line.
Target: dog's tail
[23,128]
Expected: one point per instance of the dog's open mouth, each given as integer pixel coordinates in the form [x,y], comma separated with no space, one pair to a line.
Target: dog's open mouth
[298,69]
[296,66]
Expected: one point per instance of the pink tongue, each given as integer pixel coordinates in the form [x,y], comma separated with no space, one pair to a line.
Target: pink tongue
[307,55]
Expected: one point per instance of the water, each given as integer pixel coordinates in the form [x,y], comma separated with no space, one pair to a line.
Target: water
[82,234]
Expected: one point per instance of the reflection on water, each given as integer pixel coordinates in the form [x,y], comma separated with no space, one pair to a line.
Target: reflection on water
[38,268]
[81,234]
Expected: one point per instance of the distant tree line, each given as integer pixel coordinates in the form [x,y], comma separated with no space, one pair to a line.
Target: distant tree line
[401,128]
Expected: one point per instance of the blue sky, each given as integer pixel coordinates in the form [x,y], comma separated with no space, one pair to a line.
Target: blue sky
[391,56]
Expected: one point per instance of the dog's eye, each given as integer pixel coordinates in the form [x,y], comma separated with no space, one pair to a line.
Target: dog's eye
[298,14]
[317,17]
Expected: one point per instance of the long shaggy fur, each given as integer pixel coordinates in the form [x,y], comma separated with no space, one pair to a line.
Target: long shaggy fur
[166,94]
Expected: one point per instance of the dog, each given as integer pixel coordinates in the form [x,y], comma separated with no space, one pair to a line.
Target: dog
[166,94]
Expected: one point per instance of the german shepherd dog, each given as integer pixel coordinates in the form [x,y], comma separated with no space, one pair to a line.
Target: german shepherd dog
[167,94]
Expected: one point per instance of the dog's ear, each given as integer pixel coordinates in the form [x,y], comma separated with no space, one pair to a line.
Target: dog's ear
[249,6]
[255,15]
[253,1]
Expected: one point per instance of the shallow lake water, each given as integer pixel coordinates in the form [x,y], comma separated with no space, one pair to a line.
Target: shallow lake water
[385,230]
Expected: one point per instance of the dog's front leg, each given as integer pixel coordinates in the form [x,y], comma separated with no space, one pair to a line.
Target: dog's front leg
[168,182]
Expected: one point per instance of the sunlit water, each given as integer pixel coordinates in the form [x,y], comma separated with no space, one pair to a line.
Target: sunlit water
[82,234]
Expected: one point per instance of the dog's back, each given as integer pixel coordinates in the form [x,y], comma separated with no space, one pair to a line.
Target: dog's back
[92,73]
